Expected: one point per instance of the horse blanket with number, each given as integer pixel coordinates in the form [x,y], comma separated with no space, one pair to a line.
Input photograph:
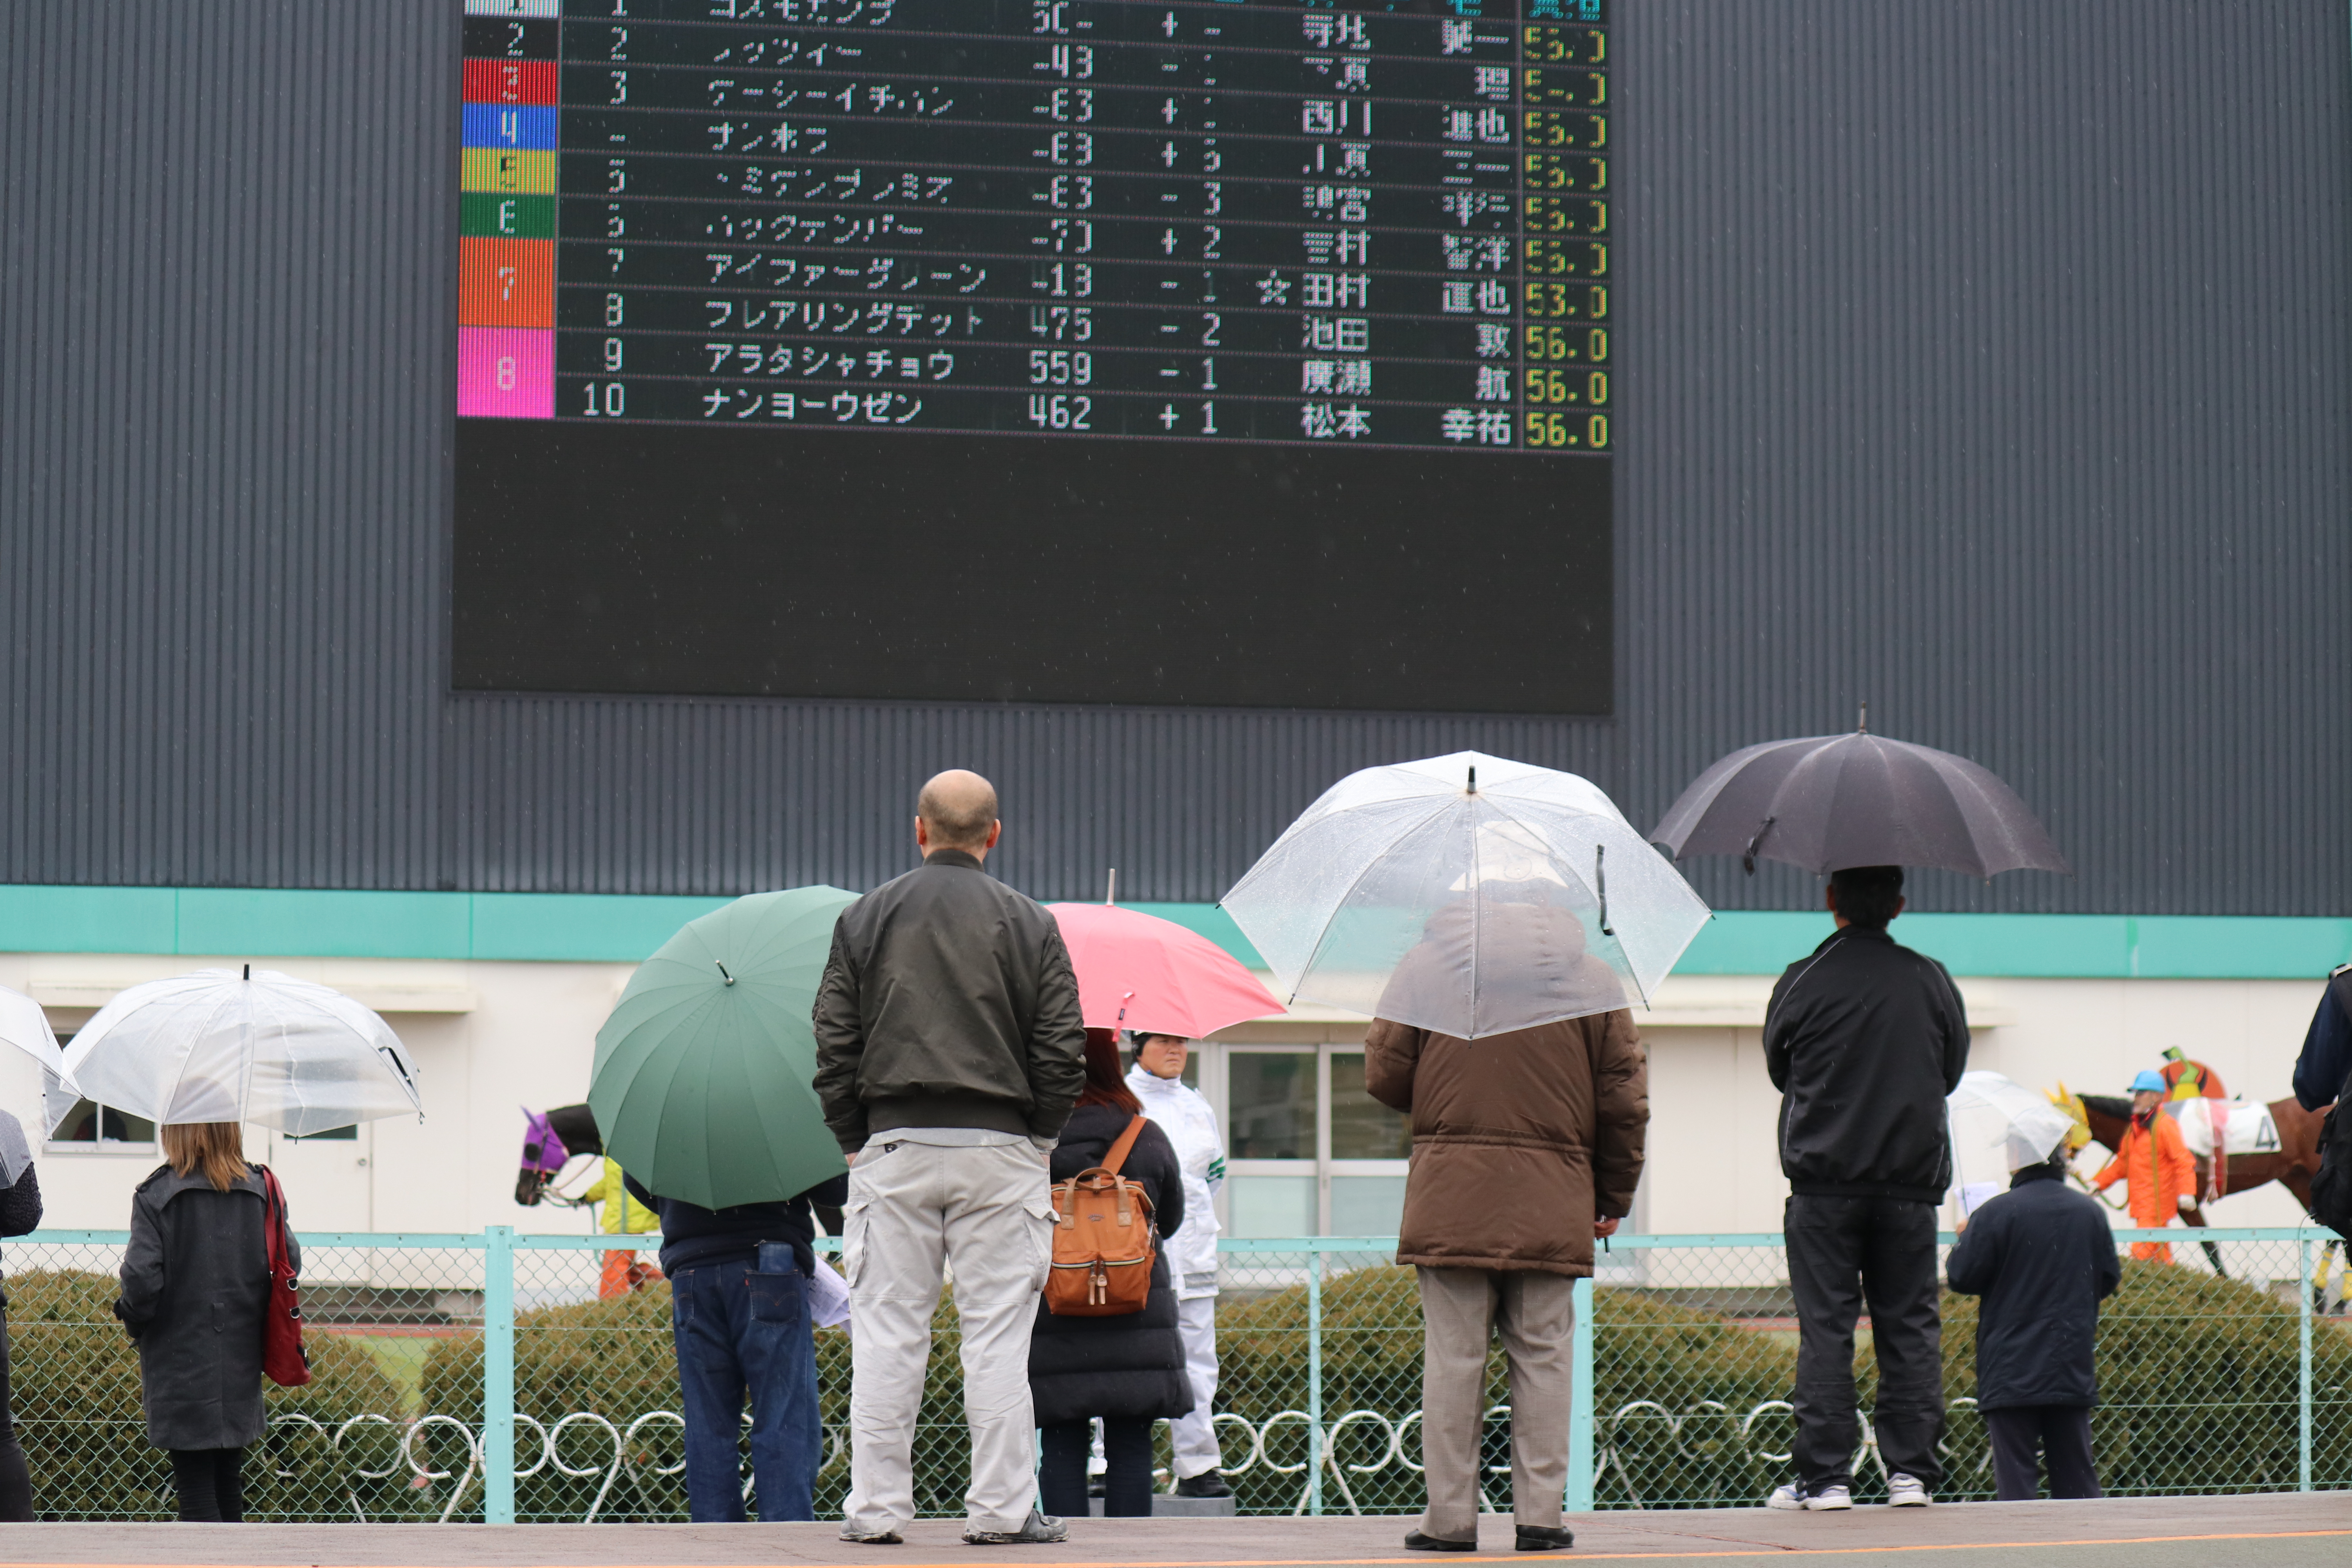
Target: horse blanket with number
[2246,1127]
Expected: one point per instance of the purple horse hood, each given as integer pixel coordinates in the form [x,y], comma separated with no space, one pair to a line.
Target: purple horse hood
[542,1147]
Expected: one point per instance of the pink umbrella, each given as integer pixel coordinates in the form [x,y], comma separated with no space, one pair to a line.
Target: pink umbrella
[1138,972]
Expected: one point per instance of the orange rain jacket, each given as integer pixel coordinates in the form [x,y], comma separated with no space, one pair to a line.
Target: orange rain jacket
[2158,1166]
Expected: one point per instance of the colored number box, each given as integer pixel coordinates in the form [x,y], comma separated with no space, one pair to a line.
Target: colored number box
[505,125]
[511,81]
[507,172]
[505,217]
[505,282]
[506,39]
[506,372]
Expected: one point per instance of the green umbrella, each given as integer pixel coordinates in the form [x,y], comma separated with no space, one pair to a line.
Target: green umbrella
[702,1086]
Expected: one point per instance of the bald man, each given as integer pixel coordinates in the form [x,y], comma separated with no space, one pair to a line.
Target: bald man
[950,1050]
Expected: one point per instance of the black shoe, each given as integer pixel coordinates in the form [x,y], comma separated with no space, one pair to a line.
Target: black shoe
[1544,1537]
[1415,1541]
[1208,1483]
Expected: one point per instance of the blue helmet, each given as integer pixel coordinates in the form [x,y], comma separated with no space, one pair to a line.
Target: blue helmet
[2149,1079]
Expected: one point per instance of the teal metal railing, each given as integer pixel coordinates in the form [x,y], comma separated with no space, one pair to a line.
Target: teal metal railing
[1680,1352]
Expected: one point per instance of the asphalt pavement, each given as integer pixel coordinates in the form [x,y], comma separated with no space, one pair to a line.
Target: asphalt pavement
[2273,1530]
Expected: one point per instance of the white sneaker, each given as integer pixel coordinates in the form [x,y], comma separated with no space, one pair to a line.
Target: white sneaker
[1792,1495]
[1904,1491]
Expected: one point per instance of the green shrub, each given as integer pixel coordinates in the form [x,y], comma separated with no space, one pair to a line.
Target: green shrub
[74,1386]
[1690,1377]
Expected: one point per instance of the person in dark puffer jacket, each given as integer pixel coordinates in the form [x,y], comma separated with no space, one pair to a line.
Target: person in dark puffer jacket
[1128,1370]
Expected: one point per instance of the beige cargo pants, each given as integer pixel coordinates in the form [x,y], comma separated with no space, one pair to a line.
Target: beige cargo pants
[985,1212]
[1533,1314]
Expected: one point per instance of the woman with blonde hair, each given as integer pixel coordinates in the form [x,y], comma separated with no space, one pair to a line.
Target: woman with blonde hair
[195,1288]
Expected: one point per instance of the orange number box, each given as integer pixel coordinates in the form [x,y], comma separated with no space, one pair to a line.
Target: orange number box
[505,282]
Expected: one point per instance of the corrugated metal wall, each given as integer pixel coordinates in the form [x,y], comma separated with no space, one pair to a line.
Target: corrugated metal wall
[1985,361]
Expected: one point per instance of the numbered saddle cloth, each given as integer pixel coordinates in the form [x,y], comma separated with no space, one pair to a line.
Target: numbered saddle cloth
[2246,1127]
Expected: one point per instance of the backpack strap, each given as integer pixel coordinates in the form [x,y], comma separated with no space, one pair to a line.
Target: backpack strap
[1120,1150]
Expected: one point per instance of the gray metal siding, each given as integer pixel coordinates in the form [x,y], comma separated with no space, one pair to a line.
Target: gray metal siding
[1985,361]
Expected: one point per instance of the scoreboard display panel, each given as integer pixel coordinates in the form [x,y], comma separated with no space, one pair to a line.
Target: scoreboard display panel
[1223,352]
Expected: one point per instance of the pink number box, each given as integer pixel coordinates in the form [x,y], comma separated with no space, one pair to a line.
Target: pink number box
[506,372]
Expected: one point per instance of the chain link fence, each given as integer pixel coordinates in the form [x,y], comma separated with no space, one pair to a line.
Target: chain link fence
[2228,1368]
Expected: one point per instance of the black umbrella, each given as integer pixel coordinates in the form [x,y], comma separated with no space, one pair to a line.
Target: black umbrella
[1828,802]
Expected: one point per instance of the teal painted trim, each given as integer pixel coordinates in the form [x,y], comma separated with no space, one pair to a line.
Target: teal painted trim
[272,922]
[613,928]
[1209,921]
[322,924]
[88,920]
[2095,947]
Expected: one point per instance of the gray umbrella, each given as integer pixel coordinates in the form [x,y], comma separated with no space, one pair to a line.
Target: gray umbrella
[1833,801]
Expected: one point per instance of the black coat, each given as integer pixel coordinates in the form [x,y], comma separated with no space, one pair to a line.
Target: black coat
[2042,1257]
[196,1285]
[1131,1366]
[1863,1039]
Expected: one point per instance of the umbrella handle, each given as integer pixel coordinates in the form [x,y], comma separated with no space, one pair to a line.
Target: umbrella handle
[1601,884]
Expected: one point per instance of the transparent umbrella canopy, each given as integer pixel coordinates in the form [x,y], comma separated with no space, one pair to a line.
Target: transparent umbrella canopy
[1999,1125]
[1468,895]
[260,1047]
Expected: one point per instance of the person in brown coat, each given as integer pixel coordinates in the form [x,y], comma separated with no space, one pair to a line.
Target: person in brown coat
[1524,1147]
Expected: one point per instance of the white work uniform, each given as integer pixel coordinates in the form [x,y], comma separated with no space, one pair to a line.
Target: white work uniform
[1192,1127]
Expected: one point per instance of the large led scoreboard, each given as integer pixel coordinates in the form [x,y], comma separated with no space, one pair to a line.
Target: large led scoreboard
[1232,353]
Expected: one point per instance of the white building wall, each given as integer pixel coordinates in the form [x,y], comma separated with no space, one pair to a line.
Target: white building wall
[491,1038]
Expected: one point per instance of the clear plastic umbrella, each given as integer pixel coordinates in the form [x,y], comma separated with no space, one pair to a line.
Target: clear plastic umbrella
[1999,1126]
[264,1047]
[24,1026]
[1467,895]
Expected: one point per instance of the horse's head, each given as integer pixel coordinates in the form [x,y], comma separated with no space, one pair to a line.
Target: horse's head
[543,1154]
[2071,1103]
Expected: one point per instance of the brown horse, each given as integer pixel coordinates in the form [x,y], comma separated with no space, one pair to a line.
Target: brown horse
[2292,1165]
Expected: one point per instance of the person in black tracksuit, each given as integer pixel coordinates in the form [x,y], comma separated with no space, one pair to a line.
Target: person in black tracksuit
[1864,1039]
[2043,1259]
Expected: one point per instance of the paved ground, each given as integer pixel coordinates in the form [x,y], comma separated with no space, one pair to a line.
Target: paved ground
[2274,1531]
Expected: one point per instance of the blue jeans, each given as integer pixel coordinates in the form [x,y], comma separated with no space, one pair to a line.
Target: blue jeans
[738,1327]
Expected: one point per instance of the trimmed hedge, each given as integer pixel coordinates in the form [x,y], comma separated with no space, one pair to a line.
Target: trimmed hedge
[2199,1375]
[74,1387]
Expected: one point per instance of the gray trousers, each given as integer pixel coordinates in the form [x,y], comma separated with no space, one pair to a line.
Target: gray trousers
[984,1212]
[1533,1313]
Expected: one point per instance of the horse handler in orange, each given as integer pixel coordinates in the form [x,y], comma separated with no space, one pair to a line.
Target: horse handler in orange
[2155,1163]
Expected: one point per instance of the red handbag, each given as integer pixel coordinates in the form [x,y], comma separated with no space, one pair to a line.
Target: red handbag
[283,1360]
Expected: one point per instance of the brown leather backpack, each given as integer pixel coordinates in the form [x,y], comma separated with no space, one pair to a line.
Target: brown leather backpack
[1103,1239]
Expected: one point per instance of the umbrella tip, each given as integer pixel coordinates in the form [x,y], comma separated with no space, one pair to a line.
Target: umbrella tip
[248,972]
[1473,778]
[722,973]
[1110,888]
[1861,725]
